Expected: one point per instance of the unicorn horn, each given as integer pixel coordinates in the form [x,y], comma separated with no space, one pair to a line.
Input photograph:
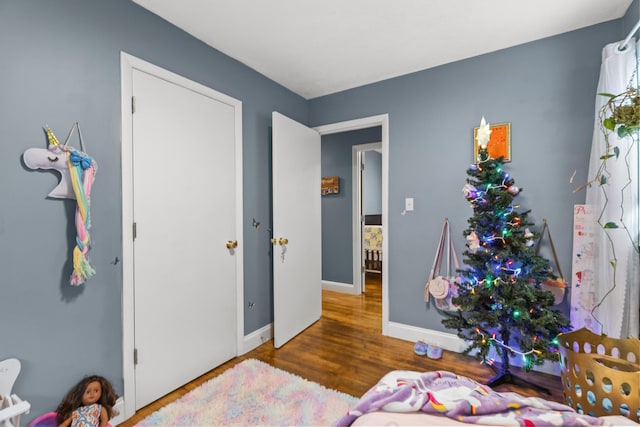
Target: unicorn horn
[53,141]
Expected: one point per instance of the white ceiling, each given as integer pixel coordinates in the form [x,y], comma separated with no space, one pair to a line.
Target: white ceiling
[319,47]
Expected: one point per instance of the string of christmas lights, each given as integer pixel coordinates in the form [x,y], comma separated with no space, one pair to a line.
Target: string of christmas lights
[508,347]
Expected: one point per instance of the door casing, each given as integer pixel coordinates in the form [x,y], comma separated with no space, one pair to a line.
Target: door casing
[357,160]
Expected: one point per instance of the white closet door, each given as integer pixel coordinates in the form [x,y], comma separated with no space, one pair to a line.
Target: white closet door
[185,212]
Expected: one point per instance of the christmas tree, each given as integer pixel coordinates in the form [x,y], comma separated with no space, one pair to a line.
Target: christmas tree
[501,302]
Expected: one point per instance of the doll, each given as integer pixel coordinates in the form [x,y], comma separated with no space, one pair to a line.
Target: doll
[89,403]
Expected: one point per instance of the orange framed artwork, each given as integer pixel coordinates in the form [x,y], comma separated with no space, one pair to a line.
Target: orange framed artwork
[330,185]
[499,142]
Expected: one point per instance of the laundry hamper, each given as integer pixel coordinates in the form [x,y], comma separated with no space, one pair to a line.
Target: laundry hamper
[600,375]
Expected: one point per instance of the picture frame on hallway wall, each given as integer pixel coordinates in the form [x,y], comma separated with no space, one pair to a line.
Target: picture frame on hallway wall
[330,185]
[499,142]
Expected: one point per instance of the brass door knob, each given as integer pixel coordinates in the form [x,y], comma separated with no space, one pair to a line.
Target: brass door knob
[283,241]
[274,240]
[232,244]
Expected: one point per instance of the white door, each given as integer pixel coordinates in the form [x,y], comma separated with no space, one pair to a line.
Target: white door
[297,251]
[184,209]
[360,218]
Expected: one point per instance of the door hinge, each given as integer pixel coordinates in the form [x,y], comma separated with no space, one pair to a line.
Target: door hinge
[362,269]
[133,104]
[135,356]
[135,230]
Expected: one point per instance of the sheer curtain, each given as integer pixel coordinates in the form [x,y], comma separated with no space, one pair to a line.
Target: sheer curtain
[615,302]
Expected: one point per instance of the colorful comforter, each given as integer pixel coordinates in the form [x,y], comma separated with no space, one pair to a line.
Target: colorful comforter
[461,399]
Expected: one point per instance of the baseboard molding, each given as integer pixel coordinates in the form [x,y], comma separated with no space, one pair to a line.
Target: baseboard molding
[345,288]
[443,340]
[256,338]
[454,343]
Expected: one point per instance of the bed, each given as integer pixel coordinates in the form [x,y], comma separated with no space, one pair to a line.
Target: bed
[441,398]
[372,239]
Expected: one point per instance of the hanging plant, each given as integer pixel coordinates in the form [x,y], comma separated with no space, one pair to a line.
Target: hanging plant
[621,113]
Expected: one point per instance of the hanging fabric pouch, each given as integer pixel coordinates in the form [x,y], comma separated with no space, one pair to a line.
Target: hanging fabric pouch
[443,288]
[556,286]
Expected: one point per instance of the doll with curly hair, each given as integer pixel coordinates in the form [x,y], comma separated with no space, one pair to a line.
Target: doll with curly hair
[89,403]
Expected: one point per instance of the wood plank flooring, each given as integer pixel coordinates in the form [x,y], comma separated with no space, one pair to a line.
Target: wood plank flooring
[345,350]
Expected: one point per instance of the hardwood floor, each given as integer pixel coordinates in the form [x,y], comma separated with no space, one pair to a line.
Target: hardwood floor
[345,350]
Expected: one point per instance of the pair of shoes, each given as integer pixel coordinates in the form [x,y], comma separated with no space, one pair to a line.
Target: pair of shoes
[421,348]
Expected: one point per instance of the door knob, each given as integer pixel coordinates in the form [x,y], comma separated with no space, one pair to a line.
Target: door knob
[283,241]
[274,240]
[232,244]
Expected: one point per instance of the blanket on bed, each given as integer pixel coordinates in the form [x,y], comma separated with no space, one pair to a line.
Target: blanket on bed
[462,399]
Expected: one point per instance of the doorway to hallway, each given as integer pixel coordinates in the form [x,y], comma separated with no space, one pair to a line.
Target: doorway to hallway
[354,276]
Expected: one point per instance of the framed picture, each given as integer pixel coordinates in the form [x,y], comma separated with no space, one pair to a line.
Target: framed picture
[330,185]
[499,142]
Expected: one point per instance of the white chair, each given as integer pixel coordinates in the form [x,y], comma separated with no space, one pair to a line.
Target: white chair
[11,406]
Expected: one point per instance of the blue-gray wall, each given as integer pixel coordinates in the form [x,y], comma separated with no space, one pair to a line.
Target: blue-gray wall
[372,183]
[630,19]
[337,217]
[546,89]
[61,64]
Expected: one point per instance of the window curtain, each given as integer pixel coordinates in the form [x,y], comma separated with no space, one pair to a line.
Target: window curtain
[615,302]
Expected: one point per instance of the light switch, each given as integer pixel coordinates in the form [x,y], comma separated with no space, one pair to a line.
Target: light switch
[408,204]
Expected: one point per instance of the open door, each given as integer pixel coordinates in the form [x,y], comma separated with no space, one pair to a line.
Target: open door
[359,216]
[297,236]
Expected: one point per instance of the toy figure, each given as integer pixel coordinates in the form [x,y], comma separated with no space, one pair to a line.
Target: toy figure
[88,404]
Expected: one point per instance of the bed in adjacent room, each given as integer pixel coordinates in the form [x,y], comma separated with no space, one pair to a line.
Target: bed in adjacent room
[372,239]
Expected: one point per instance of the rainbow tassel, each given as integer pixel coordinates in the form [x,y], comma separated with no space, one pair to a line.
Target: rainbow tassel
[82,172]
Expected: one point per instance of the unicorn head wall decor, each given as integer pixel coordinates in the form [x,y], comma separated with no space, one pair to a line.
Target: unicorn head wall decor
[77,171]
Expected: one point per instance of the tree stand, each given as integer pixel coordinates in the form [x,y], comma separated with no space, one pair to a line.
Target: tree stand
[504,376]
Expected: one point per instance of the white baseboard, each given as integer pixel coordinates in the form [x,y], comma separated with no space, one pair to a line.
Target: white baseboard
[256,338]
[454,343]
[118,407]
[345,288]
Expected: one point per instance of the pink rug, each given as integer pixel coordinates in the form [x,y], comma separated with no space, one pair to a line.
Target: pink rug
[253,393]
